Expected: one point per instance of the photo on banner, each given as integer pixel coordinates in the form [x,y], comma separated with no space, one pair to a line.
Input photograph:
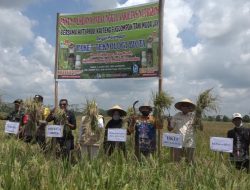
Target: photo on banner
[122,43]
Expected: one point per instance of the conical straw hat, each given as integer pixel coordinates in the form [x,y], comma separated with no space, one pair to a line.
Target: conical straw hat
[179,104]
[116,108]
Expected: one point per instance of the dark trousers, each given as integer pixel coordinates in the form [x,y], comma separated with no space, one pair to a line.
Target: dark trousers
[66,145]
[109,147]
[242,165]
[41,140]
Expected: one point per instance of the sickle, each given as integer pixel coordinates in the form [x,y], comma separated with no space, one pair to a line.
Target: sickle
[134,105]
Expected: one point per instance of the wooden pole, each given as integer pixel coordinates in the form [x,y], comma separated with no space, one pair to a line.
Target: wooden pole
[56,63]
[161,19]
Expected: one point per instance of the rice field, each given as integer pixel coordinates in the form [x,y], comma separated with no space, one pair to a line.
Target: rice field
[24,166]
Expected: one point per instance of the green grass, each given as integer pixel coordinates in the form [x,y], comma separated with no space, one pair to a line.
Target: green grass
[23,166]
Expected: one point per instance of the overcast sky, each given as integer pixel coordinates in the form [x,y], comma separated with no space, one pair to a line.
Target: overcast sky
[206,45]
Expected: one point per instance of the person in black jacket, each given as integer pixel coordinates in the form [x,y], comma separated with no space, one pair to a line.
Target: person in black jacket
[241,141]
[17,115]
[68,120]
[116,113]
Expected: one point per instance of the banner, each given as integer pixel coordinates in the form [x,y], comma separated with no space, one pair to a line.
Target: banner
[172,140]
[117,135]
[11,127]
[122,43]
[54,131]
[221,144]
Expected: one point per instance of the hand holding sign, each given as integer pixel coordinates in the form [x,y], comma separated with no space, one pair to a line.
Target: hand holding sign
[117,135]
[11,127]
[172,140]
[54,131]
[221,144]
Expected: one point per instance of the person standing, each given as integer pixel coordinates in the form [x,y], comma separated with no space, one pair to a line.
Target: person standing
[68,120]
[17,114]
[144,127]
[116,112]
[33,122]
[41,122]
[241,141]
[182,123]
[89,137]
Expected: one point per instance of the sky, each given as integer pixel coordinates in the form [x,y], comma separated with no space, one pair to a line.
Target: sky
[206,44]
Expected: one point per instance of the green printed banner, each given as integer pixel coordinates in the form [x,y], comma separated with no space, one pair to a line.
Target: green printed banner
[122,43]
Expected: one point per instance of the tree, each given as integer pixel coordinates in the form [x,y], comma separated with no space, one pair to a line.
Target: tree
[218,118]
[210,118]
[225,118]
[246,119]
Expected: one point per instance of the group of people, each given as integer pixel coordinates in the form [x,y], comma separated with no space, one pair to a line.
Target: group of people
[143,126]
[32,123]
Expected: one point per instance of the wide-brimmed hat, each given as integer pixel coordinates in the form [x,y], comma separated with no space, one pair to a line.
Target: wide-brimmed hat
[179,104]
[236,115]
[116,108]
[145,105]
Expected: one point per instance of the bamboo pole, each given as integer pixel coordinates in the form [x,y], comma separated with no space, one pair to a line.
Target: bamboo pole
[56,64]
[161,19]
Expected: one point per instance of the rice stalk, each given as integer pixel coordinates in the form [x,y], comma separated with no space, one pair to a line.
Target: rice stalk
[91,112]
[33,110]
[206,102]
[61,116]
[162,101]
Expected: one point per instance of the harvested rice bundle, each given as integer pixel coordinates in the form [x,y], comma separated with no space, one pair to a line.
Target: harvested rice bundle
[91,112]
[162,101]
[33,110]
[206,102]
[61,116]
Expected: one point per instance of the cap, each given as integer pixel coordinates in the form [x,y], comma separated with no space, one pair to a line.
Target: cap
[18,101]
[236,115]
[38,98]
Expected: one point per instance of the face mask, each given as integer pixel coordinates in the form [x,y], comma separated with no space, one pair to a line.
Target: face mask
[116,117]
[145,113]
[241,124]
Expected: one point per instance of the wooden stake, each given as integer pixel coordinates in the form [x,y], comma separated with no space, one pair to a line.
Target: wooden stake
[161,18]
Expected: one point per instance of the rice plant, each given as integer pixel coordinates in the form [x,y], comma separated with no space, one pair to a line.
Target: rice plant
[24,166]
[206,102]
[162,101]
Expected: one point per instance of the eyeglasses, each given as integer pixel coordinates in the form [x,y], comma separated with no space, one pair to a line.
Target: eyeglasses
[64,104]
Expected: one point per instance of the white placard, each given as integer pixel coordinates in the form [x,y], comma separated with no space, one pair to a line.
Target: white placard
[221,144]
[117,135]
[54,130]
[11,127]
[172,140]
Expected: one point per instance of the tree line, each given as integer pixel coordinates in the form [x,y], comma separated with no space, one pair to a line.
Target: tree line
[224,118]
